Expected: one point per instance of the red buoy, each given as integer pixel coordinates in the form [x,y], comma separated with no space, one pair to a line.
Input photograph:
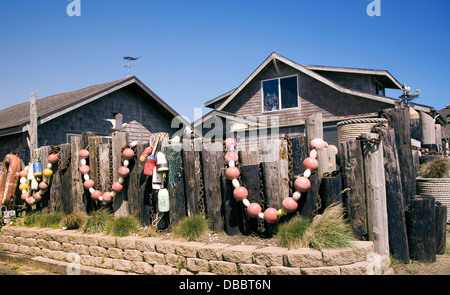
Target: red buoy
[289,205]
[88,184]
[107,197]
[230,142]
[53,158]
[271,215]
[240,193]
[232,173]
[117,187]
[231,156]
[84,154]
[84,169]
[311,164]
[124,171]
[96,194]
[128,153]
[302,184]
[254,209]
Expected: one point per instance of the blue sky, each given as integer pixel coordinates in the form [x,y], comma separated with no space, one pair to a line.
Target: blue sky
[193,51]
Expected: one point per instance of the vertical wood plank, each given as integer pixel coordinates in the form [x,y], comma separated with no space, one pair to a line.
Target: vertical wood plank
[191,160]
[314,127]
[354,198]
[33,126]
[398,239]
[135,199]
[104,162]
[175,183]
[213,163]
[44,152]
[375,181]
[399,120]
[231,209]
[120,203]
[93,143]
[78,194]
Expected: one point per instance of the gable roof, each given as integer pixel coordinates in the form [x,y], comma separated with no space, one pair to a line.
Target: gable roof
[275,58]
[381,75]
[16,118]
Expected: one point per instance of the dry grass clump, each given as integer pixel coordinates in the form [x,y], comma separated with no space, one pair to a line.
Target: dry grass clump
[74,220]
[329,230]
[439,168]
[97,220]
[123,226]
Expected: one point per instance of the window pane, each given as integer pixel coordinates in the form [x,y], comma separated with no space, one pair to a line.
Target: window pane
[289,95]
[271,96]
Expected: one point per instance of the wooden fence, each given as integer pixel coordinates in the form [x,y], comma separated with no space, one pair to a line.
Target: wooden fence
[374,178]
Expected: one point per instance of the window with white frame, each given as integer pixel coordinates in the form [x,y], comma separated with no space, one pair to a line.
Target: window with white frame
[279,93]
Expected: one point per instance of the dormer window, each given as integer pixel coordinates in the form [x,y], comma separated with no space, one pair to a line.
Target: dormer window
[379,88]
[280,93]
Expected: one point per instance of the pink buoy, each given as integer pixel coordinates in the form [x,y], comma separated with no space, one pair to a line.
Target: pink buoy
[117,187]
[53,158]
[96,194]
[30,200]
[289,205]
[106,197]
[240,193]
[317,144]
[37,196]
[84,154]
[334,148]
[230,142]
[231,156]
[43,186]
[302,184]
[253,210]
[25,195]
[232,173]
[310,163]
[89,184]
[128,153]
[84,169]
[124,171]
[271,215]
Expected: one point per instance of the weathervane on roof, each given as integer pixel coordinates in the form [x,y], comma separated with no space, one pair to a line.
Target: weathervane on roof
[407,95]
[129,58]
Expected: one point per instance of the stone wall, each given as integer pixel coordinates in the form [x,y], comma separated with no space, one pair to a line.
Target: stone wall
[169,257]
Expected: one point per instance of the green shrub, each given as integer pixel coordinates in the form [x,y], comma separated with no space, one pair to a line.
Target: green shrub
[123,226]
[290,234]
[191,227]
[74,220]
[44,219]
[97,220]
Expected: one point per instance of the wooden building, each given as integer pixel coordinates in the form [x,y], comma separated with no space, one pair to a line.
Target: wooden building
[91,109]
[281,93]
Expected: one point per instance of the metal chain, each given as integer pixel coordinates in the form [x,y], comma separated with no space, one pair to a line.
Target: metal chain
[290,164]
[262,198]
[201,193]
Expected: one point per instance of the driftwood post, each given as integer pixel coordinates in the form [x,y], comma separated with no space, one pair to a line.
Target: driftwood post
[192,178]
[120,203]
[78,191]
[441,227]
[330,191]
[33,127]
[375,193]
[314,127]
[175,183]
[354,197]
[399,120]
[398,240]
[420,216]
[61,191]
[213,163]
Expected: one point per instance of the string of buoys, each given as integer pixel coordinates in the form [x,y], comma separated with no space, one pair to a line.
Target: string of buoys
[289,205]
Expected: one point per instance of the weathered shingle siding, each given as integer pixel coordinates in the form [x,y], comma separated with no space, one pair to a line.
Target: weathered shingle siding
[91,117]
[314,97]
[360,82]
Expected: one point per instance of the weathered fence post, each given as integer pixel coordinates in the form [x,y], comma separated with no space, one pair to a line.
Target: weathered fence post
[420,217]
[175,183]
[330,191]
[135,195]
[398,239]
[375,193]
[78,194]
[213,163]
[441,227]
[354,197]
[231,208]
[120,203]
[192,178]
[398,118]
[314,127]
[61,192]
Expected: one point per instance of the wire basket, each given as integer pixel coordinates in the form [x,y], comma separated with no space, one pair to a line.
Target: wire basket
[439,188]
